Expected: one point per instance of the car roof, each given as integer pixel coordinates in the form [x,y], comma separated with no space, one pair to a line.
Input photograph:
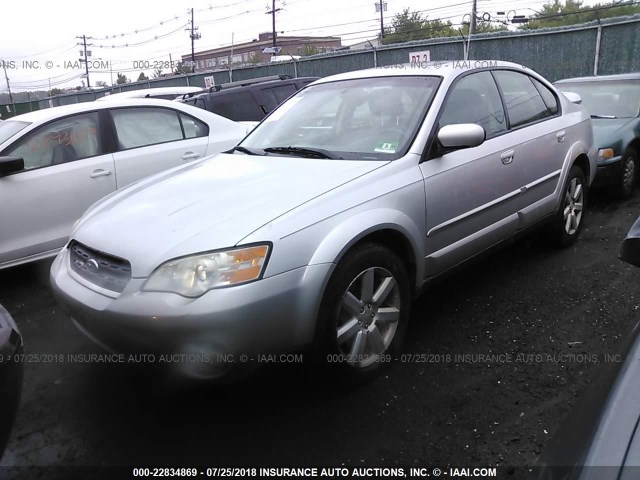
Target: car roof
[150,92]
[602,78]
[442,68]
[55,112]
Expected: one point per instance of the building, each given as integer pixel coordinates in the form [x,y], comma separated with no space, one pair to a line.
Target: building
[366,45]
[251,52]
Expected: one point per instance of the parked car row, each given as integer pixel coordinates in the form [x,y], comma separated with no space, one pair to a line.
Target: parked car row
[314,231]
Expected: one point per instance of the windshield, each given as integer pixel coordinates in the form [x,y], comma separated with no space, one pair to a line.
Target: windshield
[619,99]
[364,119]
[9,128]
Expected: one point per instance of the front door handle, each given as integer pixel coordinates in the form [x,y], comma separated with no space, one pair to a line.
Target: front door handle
[190,156]
[507,157]
[100,173]
[560,136]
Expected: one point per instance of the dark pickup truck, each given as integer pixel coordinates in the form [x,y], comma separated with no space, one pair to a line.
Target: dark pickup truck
[249,100]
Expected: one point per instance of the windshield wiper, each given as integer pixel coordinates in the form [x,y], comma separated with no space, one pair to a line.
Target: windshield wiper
[304,152]
[611,117]
[247,150]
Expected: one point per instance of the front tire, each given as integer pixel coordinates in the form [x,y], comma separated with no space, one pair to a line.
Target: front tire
[364,314]
[628,177]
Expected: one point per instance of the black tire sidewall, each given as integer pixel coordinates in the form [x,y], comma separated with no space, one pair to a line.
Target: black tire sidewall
[629,154]
[356,261]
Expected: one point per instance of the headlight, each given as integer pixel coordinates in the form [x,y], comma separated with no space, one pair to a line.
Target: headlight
[193,276]
[605,153]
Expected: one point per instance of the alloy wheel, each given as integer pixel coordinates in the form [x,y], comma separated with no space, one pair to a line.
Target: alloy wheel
[573,205]
[368,317]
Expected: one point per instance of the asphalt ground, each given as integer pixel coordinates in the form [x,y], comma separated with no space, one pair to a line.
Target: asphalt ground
[496,356]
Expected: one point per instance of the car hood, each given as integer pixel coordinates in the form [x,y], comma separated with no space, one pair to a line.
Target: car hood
[208,205]
[608,131]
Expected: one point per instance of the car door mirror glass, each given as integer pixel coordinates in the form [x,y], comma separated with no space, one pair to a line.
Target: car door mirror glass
[10,165]
[461,135]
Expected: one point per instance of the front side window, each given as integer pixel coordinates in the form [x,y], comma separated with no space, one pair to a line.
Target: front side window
[61,141]
[607,98]
[547,96]
[524,103]
[368,118]
[139,127]
[475,99]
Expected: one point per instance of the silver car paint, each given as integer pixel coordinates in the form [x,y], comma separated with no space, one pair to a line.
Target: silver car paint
[40,205]
[312,211]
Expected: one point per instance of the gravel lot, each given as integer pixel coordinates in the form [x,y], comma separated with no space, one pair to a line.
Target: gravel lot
[547,316]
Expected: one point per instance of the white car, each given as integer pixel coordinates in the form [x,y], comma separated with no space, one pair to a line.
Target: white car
[55,163]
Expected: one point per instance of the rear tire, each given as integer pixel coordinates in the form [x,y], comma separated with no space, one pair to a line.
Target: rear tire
[568,220]
[364,314]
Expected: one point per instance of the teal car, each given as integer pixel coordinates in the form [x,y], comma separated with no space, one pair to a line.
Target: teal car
[614,104]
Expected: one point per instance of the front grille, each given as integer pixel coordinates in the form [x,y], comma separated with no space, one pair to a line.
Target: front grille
[99,268]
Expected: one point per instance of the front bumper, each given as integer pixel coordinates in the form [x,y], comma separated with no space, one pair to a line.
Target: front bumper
[212,333]
[608,172]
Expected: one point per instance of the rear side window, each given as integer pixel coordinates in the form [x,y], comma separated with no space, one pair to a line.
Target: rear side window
[238,106]
[139,127]
[524,103]
[547,96]
[193,128]
[283,92]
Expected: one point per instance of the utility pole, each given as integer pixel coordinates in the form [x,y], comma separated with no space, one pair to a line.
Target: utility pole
[381,6]
[86,57]
[273,12]
[195,35]
[472,20]
[4,66]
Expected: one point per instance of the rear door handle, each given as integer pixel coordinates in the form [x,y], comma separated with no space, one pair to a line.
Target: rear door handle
[507,157]
[560,136]
[100,173]
[190,156]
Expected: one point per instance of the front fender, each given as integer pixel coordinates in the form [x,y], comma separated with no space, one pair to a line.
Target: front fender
[352,229]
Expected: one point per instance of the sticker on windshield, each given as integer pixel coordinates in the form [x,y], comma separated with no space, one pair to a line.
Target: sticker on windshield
[386,147]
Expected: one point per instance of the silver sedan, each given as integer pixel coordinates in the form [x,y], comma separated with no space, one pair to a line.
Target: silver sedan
[322,225]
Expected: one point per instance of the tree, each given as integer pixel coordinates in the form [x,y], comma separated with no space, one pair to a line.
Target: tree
[255,58]
[101,83]
[55,91]
[157,73]
[308,50]
[142,77]
[408,26]
[571,12]
[484,27]
[182,69]
[122,79]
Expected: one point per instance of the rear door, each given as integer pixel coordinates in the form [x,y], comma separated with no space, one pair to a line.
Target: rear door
[540,135]
[472,193]
[152,139]
[66,171]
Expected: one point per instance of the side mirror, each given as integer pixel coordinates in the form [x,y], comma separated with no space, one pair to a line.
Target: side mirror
[461,135]
[9,165]
[573,97]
